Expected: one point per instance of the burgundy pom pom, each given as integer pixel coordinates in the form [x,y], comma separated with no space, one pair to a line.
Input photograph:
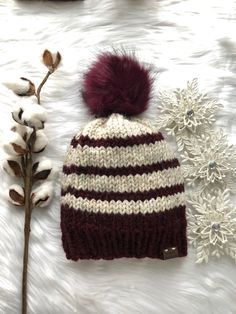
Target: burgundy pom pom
[117,83]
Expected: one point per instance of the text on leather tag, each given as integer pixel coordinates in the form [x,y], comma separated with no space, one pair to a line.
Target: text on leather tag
[171,252]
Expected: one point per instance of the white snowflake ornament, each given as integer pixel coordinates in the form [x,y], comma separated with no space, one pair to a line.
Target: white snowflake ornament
[186,111]
[212,225]
[210,161]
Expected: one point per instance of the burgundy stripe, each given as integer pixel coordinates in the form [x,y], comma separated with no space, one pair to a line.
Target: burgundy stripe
[122,196]
[133,170]
[87,235]
[117,141]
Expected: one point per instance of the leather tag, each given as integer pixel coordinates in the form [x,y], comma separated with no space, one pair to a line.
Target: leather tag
[171,252]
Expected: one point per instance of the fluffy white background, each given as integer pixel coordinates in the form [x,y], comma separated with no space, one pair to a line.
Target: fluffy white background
[182,39]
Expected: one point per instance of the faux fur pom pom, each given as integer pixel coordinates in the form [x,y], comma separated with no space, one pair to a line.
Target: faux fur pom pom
[117,83]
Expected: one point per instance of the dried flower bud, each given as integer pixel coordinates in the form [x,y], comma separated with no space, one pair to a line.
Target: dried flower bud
[42,195]
[47,58]
[34,116]
[51,60]
[12,167]
[42,169]
[14,145]
[21,87]
[56,60]
[41,141]
[16,195]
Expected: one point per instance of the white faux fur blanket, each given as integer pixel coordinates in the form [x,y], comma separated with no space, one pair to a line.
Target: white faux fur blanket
[182,39]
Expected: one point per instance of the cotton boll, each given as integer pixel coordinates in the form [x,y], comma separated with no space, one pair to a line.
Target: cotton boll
[22,130]
[14,145]
[41,164]
[12,166]
[6,167]
[16,195]
[17,112]
[40,142]
[34,116]
[42,169]
[20,87]
[42,195]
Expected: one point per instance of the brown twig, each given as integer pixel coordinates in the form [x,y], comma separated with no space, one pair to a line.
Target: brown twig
[27,164]
[37,94]
[27,172]
[28,207]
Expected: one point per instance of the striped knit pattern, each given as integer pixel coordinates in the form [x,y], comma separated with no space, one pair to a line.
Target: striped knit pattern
[122,192]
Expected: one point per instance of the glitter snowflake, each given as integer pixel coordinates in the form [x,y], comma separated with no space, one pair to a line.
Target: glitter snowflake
[186,111]
[212,225]
[210,161]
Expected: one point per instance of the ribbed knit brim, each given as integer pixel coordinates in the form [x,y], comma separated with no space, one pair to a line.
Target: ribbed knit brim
[122,193]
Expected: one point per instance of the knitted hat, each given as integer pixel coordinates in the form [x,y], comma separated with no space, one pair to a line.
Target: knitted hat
[122,187]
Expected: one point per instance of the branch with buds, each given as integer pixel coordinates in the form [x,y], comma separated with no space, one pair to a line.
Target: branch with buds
[25,139]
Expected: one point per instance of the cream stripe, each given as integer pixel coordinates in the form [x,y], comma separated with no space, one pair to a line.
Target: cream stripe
[136,155]
[125,207]
[119,126]
[130,183]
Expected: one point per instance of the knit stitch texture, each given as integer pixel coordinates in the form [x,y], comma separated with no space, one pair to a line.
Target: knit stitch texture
[122,192]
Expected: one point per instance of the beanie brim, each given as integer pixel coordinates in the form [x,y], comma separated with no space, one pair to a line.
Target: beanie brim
[88,235]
